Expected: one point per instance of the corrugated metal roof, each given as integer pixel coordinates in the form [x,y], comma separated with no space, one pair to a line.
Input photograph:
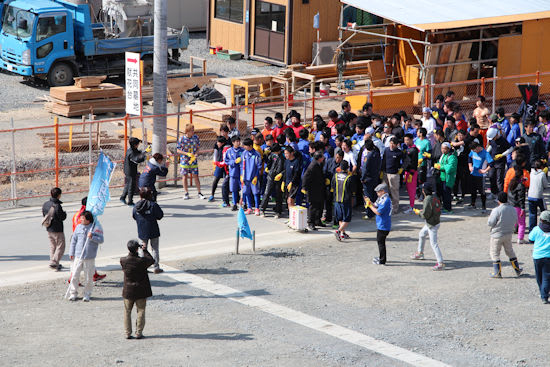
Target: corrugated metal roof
[428,14]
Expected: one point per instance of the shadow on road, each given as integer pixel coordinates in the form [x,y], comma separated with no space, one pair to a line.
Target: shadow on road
[210,336]
[218,271]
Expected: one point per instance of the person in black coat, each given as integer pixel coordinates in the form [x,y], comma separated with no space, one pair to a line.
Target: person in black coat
[146,214]
[370,172]
[154,168]
[275,171]
[314,186]
[55,229]
[137,287]
[329,170]
[134,156]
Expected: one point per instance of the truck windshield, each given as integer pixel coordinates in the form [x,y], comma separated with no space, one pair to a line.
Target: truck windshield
[18,22]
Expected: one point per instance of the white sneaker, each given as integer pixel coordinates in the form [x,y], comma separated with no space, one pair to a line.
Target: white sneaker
[186,196]
[86,299]
[201,196]
[408,211]
[72,298]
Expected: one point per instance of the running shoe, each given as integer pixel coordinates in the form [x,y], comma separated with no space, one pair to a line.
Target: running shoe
[224,205]
[439,266]
[248,211]
[211,199]
[417,256]
[408,211]
[99,277]
[234,208]
[201,196]
[186,196]
[338,235]
[257,212]
[345,236]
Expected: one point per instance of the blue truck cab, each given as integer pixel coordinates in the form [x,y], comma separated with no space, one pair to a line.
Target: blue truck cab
[57,40]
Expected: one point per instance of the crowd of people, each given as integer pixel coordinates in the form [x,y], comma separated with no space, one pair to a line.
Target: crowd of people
[352,161]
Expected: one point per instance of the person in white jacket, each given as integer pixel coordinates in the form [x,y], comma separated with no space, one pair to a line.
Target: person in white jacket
[86,239]
[535,195]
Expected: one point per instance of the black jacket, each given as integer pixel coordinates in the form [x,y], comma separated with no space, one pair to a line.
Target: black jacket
[410,159]
[314,181]
[536,146]
[149,175]
[499,146]
[147,213]
[516,196]
[275,164]
[131,161]
[136,280]
[293,171]
[370,166]
[59,215]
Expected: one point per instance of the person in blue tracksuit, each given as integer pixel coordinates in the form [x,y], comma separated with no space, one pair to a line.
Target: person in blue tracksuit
[233,161]
[155,167]
[251,166]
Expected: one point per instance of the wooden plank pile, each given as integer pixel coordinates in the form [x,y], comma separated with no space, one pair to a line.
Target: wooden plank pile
[88,95]
[78,141]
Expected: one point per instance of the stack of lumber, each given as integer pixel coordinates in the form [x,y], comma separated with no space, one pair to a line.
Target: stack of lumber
[78,141]
[95,97]
[449,54]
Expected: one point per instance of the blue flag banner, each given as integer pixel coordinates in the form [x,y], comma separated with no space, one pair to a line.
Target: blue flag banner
[99,189]
[244,228]
[316,21]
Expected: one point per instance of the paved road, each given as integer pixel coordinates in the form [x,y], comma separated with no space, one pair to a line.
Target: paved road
[189,229]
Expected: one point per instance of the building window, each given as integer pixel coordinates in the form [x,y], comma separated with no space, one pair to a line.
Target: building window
[270,17]
[231,10]
[361,17]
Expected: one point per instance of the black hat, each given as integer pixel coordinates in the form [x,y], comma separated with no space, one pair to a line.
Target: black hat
[134,141]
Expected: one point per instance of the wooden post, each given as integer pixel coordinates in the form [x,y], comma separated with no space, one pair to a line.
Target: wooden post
[482,89]
[253,115]
[71,138]
[176,156]
[371,95]
[537,80]
[125,134]
[312,109]
[13,176]
[56,128]
[98,134]
[237,243]
[191,117]
[427,95]
[204,67]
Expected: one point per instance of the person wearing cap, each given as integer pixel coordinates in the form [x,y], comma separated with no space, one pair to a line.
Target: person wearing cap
[392,167]
[341,188]
[431,213]
[447,167]
[479,163]
[370,133]
[540,235]
[502,221]
[137,287]
[500,149]
[383,210]
[134,156]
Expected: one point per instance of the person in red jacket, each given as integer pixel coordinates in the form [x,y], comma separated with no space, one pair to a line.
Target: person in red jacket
[295,119]
[279,127]
[76,222]
[334,120]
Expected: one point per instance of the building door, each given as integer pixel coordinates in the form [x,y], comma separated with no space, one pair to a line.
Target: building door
[269,39]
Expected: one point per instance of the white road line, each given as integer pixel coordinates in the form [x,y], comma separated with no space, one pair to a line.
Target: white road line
[337,331]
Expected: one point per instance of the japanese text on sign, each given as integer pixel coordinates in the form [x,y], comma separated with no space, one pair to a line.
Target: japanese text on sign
[133,79]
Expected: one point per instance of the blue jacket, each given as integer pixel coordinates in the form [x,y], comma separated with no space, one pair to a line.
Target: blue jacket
[384,207]
[146,214]
[251,165]
[230,156]
[370,166]
[78,240]
[303,146]
[541,248]
[149,175]
[293,172]
[392,160]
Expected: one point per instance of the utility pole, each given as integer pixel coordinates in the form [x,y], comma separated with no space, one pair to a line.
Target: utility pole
[160,66]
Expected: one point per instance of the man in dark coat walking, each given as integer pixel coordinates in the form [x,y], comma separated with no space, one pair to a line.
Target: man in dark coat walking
[314,186]
[134,156]
[137,287]
[147,213]
[55,228]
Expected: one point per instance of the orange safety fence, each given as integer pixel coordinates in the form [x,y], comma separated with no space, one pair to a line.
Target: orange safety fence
[64,154]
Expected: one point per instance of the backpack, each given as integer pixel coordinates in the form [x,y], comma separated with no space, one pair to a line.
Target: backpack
[47,220]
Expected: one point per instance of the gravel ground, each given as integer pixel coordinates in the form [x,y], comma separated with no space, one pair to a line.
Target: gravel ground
[458,316]
[16,94]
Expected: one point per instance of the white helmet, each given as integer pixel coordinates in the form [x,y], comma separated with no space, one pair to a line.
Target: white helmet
[492,133]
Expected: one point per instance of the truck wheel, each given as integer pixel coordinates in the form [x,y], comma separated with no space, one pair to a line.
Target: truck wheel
[60,75]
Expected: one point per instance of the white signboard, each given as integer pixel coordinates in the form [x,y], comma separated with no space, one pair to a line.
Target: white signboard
[133,81]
